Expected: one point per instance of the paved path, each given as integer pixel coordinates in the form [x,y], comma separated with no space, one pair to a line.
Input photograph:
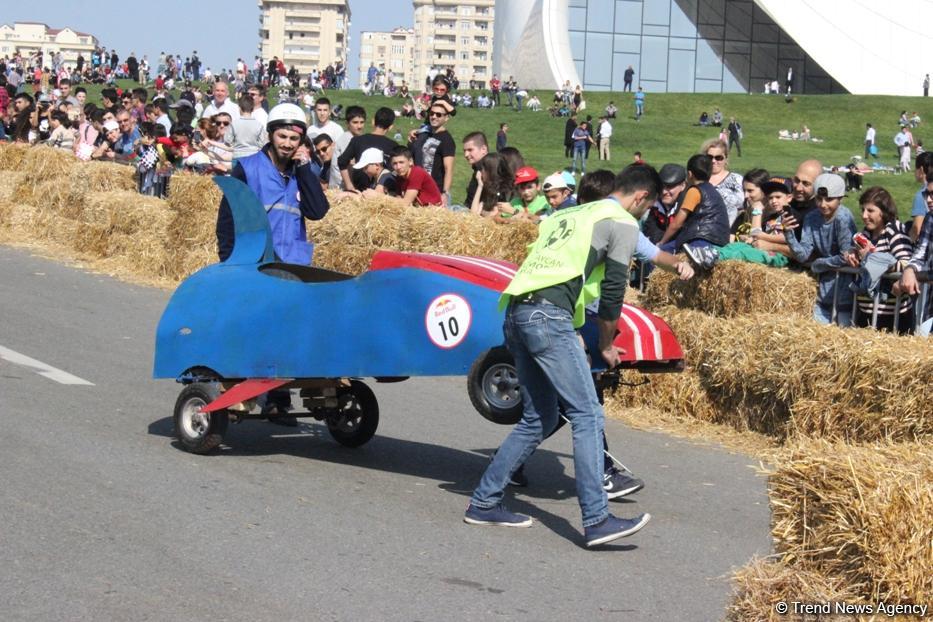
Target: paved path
[103,518]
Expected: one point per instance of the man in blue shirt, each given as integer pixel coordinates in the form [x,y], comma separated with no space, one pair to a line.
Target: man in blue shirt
[129,135]
[639,104]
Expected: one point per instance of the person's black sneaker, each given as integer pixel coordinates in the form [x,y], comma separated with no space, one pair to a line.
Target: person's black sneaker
[618,484]
[518,477]
[496,516]
[613,528]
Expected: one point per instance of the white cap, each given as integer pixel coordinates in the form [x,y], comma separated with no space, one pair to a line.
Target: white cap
[370,156]
[554,182]
[111,125]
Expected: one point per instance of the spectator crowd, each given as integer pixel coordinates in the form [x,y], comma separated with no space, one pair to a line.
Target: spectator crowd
[704,209]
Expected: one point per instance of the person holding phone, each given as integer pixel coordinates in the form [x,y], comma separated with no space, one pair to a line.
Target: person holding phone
[287,183]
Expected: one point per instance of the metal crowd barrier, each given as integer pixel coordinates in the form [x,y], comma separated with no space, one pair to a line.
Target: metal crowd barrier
[922,304]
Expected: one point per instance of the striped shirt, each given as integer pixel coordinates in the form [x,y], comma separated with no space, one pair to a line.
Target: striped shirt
[923,249]
[894,241]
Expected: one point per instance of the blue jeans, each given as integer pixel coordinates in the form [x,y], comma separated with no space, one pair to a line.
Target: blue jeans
[672,246]
[579,151]
[551,364]
[823,314]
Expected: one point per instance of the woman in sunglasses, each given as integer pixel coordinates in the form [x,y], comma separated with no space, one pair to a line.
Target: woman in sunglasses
[728,184]
[214,145]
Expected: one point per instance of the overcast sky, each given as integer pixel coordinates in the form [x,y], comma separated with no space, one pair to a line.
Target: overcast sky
[220,30]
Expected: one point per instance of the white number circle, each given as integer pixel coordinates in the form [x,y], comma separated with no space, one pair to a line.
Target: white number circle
[448,320]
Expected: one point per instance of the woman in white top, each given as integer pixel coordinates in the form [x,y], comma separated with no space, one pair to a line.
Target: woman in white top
[728,184]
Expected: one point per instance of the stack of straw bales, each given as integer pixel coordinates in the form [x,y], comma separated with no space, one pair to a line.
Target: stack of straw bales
[191,239]
[851,524]
[861,513]
[355,229]
[785,377]
[763,583]
[734,288]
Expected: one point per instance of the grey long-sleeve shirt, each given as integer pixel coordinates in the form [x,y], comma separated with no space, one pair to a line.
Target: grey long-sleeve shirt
[823,242]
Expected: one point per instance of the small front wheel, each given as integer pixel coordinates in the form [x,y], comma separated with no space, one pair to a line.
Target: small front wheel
[199,432]
[493,387]
[357,417]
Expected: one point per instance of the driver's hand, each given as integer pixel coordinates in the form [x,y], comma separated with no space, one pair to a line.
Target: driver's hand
[612,355]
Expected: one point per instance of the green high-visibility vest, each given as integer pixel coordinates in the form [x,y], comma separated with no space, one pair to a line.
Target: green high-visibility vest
[560,252]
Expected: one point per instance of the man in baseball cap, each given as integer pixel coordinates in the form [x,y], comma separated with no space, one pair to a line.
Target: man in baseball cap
[826,236]
[558,191]
[381,181]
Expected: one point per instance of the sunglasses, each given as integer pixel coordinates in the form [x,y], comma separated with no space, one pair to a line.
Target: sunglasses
[221,123]
[323,149]
[718,158]
[438,114]
[927,194]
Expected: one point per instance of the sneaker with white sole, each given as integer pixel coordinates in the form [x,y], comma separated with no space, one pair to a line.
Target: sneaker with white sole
[618,484]
[613,528]
[496,516]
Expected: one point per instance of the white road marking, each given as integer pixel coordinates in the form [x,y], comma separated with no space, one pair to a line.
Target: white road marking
[43,369]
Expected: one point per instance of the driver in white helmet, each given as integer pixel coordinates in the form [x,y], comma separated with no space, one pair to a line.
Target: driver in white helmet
[287,182]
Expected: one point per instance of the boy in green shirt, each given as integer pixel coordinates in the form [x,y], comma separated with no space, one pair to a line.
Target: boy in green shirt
[529,201]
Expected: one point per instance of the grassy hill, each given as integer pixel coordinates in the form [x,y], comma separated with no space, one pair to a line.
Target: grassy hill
[667,132]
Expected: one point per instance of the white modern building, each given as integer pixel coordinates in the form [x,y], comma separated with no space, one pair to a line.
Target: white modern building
[833,46]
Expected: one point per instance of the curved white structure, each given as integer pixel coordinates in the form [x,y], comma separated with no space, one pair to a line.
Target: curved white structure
[870,48]
[532,43]
[856,46]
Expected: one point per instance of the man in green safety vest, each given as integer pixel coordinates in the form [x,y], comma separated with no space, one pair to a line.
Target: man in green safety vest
[581,253]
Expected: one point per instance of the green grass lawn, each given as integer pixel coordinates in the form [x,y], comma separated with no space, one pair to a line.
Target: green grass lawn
[667,132]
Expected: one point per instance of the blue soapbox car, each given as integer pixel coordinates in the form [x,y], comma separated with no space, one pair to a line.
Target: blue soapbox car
[287,326]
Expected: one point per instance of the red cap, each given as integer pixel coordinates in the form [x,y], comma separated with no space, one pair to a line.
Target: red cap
[525,174]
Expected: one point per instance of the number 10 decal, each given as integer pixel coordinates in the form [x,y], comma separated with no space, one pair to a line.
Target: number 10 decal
[448,320]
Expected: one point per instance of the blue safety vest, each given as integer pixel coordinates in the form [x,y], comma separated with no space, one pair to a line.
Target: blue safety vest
[279,195]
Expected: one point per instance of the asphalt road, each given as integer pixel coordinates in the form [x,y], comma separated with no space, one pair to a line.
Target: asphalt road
[102,517]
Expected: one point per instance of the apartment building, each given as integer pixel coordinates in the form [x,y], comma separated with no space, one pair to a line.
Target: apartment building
[450,33]
[389,51]
[309,34]
[27,38]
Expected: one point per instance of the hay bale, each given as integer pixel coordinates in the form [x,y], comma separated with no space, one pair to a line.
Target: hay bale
[104,176]
[383,223]
[760,585]
[812,380]
[11,156]
[194,201]
[734,288]
[6,213]
[41,163]
[9,182]
[860,513]
[785,378]
[345,258]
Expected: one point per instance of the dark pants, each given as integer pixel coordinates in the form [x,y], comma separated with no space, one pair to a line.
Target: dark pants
[734,140]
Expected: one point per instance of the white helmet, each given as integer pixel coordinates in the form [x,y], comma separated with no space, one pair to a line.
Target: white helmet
[286,114]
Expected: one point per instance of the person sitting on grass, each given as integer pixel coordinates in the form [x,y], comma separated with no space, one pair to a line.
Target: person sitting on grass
[825,239]
[764,244]
[888,250]
[702,219]
[415,185]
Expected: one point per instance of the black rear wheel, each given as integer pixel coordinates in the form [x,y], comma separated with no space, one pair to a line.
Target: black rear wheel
[494,388]
[357,417]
